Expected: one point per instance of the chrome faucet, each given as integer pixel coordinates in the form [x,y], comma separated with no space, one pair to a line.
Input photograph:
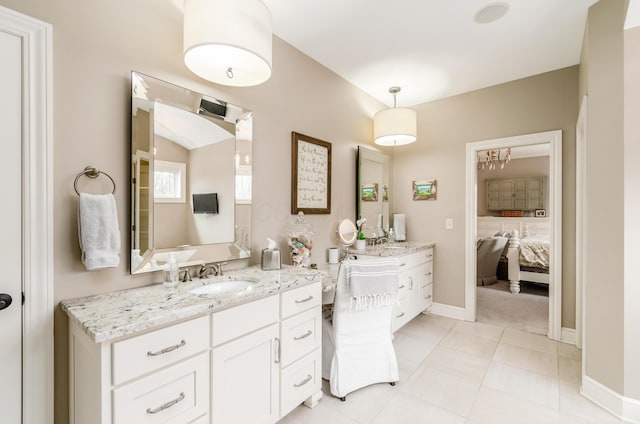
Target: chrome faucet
[184,275]
[207,269]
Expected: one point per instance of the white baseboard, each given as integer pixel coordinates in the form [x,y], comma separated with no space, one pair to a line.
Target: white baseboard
[448,311]
[625,408]
[568,335]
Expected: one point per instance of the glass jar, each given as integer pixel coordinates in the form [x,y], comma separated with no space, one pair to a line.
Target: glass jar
[299,240]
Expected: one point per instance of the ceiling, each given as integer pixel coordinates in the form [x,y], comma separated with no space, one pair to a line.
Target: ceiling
[431,48]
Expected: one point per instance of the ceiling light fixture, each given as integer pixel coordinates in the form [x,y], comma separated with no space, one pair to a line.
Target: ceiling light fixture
[394,127]
[228,41]
[493,158]
[491,13]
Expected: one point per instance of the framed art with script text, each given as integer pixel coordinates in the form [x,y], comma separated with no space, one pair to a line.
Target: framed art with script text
[310,175]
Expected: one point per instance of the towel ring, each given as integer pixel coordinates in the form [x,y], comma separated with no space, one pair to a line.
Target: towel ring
[92,172]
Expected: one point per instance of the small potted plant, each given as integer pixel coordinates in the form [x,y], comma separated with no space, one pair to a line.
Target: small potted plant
[361,241]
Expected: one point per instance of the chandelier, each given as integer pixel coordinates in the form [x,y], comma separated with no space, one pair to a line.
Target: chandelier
[491,158]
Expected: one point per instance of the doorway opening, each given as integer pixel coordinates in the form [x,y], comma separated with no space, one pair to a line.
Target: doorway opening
[553,216]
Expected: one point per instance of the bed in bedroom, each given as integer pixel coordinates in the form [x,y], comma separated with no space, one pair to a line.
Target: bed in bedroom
[526,257]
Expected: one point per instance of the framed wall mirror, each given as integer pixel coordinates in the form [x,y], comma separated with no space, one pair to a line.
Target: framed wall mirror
[373,195]
[191,176]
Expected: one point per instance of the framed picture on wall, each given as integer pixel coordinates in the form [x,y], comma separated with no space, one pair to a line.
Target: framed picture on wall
[424,190]
[310,175]
[369,192]
[541,213]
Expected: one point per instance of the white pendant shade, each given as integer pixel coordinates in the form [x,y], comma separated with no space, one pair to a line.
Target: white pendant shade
[228,41]
[395,127]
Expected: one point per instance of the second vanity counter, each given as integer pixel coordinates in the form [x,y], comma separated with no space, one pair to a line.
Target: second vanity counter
[108,316]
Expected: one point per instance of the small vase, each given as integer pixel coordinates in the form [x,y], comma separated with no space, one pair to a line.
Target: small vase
[360,244]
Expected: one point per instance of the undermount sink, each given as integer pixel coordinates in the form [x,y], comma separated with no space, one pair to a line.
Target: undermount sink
[223,287]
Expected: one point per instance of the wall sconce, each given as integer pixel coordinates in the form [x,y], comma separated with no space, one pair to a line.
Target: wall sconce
[228,41]
[395,127]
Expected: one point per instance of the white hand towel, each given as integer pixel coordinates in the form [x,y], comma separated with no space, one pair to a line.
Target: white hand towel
[399,226]
[98,231]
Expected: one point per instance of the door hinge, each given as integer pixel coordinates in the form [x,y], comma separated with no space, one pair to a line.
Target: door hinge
[22,298]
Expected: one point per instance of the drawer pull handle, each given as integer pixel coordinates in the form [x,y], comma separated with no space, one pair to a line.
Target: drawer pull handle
[167,349]
[277,358]
[410,283]
[400,315]
[430,256]
[428,297]
[401,287]
[428,273]
[402,264]
[166,405]
[306,299]
[303,382]
[304,336]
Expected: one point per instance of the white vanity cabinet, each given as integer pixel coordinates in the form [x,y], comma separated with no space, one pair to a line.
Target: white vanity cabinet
[245,363]
[250,363]
[301,332]
[415,287]
[156,377]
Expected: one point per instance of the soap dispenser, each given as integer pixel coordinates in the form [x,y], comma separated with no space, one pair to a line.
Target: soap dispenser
[171,272]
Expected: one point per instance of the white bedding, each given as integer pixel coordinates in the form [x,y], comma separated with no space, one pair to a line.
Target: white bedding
[534,251]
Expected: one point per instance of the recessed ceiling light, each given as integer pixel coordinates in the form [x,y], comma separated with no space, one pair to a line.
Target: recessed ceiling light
[491,13]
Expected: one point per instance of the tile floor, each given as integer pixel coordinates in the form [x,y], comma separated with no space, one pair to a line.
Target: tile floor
[456,372]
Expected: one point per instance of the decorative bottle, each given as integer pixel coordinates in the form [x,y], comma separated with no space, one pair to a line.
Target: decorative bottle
[171,272]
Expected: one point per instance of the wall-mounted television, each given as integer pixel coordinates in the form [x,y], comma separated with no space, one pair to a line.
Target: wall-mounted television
[206,203]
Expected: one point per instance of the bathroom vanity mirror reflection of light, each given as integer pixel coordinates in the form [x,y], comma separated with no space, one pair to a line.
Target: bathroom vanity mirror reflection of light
[187,147]
[347,232]
[373,195]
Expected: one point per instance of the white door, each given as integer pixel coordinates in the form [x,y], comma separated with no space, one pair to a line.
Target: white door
[11,229]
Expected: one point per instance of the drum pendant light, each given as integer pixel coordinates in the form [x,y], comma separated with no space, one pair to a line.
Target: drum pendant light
[394,127]
[228,41]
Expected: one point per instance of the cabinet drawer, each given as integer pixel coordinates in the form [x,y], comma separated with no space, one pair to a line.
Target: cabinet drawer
[421,257]
[428,274]
[151,351]
[301,299]
[401,314]
[427,294]
[175,395]
[240,320]
[404,284]
[299,381]
[300,335]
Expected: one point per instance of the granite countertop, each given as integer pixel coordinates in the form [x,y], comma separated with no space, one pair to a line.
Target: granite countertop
[394,249]
[108,316]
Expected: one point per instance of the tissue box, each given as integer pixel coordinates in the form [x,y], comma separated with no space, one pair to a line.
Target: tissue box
[270,259]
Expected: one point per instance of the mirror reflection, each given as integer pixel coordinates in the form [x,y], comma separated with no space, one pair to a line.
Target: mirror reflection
[373,191]
[191,176]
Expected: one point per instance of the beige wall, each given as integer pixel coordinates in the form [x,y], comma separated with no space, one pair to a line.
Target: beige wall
[631,208]
[605,177]
[95,46]
[539,103]
[525,167]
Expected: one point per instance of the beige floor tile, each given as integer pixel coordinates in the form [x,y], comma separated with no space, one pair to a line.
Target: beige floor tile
[412,349]
[570,351]
[570,371]
[470,367]
[323,413]
[424,327]
[470,344]
[440,321]
[527,359]
[575,407]
[407,409]
[364,404]
[529,341]
[443,390]
[481,329]
[497,407]
[526,385]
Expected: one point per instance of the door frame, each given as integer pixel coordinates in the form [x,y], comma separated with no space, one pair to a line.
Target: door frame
[581,223]
[37,226]
[554,138]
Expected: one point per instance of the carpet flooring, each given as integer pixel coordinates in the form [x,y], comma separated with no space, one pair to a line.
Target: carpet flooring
[527,310]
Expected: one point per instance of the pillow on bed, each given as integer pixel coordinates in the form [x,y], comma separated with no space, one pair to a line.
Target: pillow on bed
[506,234]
